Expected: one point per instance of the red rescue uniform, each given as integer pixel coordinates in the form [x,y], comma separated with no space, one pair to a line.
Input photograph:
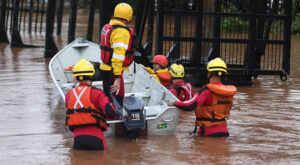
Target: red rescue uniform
[212,103]
[88,109]
[183,91]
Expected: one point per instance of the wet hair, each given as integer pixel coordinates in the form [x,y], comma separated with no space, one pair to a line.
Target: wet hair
[217,73]
[82,78]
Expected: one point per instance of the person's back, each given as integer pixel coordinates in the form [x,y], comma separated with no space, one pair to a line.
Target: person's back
[88,109]
[182,90]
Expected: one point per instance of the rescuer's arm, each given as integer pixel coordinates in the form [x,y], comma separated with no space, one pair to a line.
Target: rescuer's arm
[101,101]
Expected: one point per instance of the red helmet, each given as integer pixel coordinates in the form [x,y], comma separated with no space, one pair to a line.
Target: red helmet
[161,60]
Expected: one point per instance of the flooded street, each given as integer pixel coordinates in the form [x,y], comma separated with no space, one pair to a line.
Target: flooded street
[264,125]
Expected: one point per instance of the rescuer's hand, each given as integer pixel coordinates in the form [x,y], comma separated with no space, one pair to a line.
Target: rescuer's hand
[115,88]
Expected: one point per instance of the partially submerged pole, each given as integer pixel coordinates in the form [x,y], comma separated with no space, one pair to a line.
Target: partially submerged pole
[3,33]
[72,21]
[50,47]
[16,40]
[89,35]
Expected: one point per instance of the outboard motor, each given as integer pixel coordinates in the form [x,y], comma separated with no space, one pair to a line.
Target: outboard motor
[134,115]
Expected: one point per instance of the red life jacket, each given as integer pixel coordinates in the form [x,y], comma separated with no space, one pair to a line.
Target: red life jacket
[184,92]
[216,113]
[107,50]
[81,111]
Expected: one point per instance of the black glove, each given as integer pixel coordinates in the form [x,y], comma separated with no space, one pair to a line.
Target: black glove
[97,76]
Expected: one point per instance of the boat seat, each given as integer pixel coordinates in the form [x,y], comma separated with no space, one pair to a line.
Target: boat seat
[153,111]
[95,83]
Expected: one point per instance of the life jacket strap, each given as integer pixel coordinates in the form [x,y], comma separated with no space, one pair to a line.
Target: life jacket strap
[83,110]
[212,120]
[106,48]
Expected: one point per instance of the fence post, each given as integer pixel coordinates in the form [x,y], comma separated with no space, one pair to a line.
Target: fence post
[148,45]
[72,21]
[140,20]
[250,63]
[3,33]
[287,36]
[197,46]
[60,10]
[106,9]
[217,30]
[159,27]
[89,35]
[50,47]
[16,40]
[174,52]
[30,16]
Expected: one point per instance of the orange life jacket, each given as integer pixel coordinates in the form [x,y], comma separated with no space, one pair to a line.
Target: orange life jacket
[81,111]
[164,78]
[107,50]
[216,113]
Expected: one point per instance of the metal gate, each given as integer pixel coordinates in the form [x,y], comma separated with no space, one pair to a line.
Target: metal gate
[252,36]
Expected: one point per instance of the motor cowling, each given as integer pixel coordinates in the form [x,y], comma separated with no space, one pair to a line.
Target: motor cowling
[134,113]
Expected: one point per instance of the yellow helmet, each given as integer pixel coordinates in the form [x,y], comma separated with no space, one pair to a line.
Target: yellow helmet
[83,68]
[176,71]
[217,64]
[124,11]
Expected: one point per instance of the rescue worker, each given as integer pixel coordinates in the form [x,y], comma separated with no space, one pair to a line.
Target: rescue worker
[212,102]
[160,71]
[183,91]
[88,109]
[117,47]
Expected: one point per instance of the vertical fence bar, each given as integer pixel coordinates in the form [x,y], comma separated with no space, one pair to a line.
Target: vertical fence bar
[42,15]
[50,47]
[30,16]
[287,36]
[37,15]
[16,40]
[159,27]
[59,17]
[3,33]
[106,9]
[11,15]
[148,46]
[197,46]
[7,14]
[217,30]
[250,50]
[89,35]
[175,49]
[21,15]
[25,14]
[72,21]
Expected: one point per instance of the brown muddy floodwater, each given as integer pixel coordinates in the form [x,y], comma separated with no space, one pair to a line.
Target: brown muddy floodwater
[264,124]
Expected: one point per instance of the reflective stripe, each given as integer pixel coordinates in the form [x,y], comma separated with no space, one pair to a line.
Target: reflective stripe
[119,44]
[188,90]
[78,97]
[118,56]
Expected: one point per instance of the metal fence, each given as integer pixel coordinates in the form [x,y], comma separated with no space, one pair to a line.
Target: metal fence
[27,16]
[252,36]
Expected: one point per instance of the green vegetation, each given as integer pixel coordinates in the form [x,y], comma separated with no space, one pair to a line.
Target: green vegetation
[296,17]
